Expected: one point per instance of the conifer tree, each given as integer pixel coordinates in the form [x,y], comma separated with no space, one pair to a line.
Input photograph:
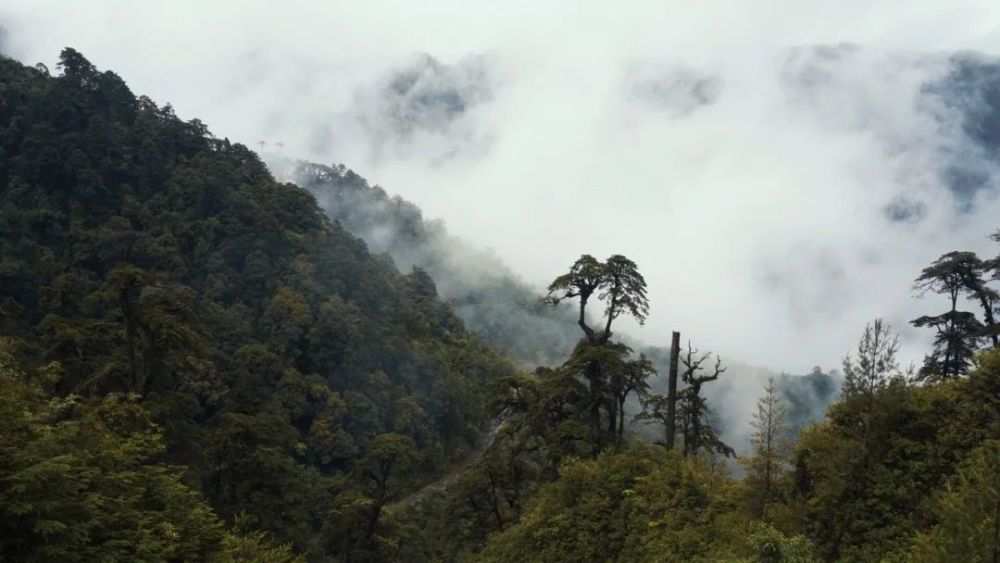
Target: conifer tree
[771,448]
[958,332]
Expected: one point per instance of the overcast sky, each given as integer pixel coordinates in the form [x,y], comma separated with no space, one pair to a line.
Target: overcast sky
[748,155]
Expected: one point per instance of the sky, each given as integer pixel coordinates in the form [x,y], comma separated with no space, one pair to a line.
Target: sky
[778,170]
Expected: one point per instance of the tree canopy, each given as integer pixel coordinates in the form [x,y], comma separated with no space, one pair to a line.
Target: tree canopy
[150,266]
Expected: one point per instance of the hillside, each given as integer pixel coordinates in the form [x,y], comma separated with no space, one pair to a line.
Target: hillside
[485,293]
[203,363]
[507,313]
[149,264]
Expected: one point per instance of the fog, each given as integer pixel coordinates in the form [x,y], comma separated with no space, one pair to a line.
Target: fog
[780,171]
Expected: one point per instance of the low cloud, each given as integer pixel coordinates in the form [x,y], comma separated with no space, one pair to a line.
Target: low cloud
[780,174]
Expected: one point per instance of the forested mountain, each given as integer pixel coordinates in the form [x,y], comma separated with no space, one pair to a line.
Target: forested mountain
[487,295]
[505,311]
[201,363]
[161,293]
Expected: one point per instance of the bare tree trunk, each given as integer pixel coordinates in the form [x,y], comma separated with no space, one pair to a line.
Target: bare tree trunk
[675,351]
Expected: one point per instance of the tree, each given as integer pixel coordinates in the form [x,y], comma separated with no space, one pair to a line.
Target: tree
[865,503]
[358,526]
[967,513]
[75,67]
[865,376]
[671,404]
[655,408]
[771,546]
[158,265]
[585,277]
[631,378]
[693,409]
[387,462]
[690,410]
[617,282]
[958,332]
[624,289]
[875,363]
[990,300]
[771,447]
[641,503]
[987,297]
[79,482]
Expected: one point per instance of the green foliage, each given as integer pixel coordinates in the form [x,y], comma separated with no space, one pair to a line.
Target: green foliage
[165,268]
[958,332]
[967,513]
[79,482]
[865,476]
[616,282]
[768,462]
[641,504]
[242,545]
[875,362]
[771,546]
[199,365]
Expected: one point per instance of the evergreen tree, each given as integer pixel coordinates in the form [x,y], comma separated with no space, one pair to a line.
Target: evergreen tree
[619,285]
[771,450]
[875,363]
[958,332]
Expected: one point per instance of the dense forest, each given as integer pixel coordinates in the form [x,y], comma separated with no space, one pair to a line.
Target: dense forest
[159,287]
[201,363]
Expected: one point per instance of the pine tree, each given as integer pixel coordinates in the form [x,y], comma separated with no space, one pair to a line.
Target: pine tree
[958,332]
[771,449]
[875,363]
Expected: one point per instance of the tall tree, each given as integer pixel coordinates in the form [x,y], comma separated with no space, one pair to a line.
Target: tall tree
[690,411]
[585,277]
[958,332]
[771,447]
[624,290]
[630,378]
[671,406]
[618,283]
[875,363]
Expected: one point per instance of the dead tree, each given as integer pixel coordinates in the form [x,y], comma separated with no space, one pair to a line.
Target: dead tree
[694,409]
[675,352]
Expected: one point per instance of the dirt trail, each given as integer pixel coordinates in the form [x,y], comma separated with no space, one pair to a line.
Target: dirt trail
[448,479]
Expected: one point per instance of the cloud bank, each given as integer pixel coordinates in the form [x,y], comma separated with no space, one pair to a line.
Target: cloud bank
[780,171]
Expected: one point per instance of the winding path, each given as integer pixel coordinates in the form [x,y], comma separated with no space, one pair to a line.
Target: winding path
[448,479]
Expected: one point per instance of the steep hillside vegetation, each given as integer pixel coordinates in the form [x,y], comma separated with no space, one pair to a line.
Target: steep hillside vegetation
[199,364]
[157,285]
[488,296]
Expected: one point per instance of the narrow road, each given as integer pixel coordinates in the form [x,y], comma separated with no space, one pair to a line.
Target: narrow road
[448,479]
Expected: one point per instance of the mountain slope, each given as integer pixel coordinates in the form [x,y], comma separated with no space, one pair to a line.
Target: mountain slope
[144,258]
[487,295]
